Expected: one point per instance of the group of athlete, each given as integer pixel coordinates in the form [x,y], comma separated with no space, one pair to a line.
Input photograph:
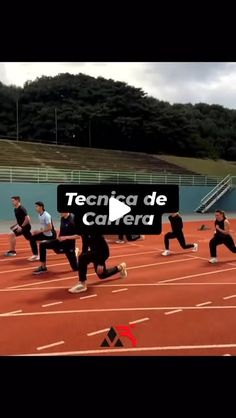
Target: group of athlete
[94,247]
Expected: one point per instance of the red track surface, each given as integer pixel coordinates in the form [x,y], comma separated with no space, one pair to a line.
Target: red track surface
[155,286]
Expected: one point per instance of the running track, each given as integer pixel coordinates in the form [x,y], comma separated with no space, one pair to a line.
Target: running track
[179,305]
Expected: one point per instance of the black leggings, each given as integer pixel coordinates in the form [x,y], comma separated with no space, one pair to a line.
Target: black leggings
[38,237]
[59,248]
[25,232]
[180,237]
[91,257]
[218,240]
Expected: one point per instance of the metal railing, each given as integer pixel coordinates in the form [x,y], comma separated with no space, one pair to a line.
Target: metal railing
[224,182]
[44,175]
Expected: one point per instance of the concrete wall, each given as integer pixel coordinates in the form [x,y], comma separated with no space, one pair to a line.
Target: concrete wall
[190,197]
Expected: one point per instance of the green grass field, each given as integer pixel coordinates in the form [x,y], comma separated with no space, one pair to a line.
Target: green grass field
[209,167]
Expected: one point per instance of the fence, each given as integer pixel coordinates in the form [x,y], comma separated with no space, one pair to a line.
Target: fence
[43,175]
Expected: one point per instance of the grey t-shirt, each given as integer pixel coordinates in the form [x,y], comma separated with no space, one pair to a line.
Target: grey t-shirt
[45,219]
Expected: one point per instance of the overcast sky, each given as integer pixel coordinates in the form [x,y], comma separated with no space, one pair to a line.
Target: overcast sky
[213,83]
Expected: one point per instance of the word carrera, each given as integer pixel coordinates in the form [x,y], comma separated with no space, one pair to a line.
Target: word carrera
[103,200]
[91,218]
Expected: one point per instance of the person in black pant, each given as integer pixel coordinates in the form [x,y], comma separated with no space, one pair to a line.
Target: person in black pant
[96,251]
[65,243]
[221,236]
[177,232]
[22,227]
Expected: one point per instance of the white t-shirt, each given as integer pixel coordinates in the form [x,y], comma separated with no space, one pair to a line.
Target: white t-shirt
[45,219]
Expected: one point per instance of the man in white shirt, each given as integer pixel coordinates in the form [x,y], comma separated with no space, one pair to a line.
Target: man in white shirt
[46,232]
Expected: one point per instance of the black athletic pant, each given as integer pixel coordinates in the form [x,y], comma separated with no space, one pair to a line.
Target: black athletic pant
[218,240]
[38,237]
[59,248]
[25,232]
[180,237]
[91,257]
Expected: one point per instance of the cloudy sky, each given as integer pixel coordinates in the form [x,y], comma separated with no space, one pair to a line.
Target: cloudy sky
[213,83]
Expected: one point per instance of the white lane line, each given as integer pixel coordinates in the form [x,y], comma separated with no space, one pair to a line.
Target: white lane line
[159,264]
[11,313]
[172,312]
[222,262]
[43,282]
[30,268]
[119,290]
[139,320]
[119,285]
[61,258]
[197,275]
[86,297]
[139,349]
[93,274]
[224,355]
[43,347]
[229,297]
[26,258]
[200,258]
[204,303]
[155,308]
[97,332]
[51,304]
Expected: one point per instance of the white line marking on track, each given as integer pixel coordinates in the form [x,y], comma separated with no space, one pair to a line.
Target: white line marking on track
[93,274]
[26,258]
[224,355]
[172,312]
[11,313]
[139,320]
[51,304]
[97,332]
[155,308]
[86,297]
[44,281]
[43,347]
[207,259]
[197,275]
[229,297]
[204,303]
[30,268]
[119,285]
[115,256]
[119,290]
[135,349]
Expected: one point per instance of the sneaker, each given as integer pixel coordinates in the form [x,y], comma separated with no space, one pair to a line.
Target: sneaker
[10,254]
[213,260]
[142,237]
[119,241]
[122,270]
[166,252]
[81,287]
[40,270]
[77,252]
[34,258]
[195,248]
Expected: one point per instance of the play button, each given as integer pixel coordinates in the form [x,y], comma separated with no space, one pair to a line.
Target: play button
[117,209]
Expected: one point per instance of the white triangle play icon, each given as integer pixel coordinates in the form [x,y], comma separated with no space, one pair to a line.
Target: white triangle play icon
[117,209]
